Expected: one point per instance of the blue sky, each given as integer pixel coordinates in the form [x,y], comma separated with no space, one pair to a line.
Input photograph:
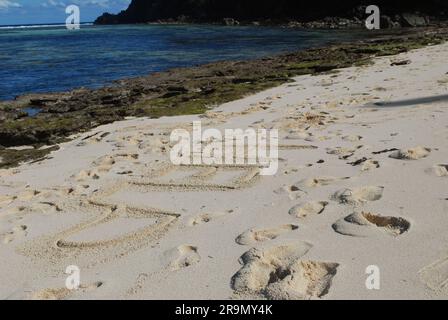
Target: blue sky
[53,11]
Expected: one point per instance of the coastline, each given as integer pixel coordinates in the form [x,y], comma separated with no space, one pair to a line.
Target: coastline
[311,15]
[179,91]
[333,23]
[92,204]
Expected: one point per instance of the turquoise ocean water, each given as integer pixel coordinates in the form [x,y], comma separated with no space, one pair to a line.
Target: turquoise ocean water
[51,58]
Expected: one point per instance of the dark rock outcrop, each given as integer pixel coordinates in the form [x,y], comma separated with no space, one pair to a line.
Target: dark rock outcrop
[322,13]
[414,20]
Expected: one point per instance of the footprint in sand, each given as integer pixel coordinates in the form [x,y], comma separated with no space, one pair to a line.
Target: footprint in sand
[276,273]
[208,217]
[63,293]
[435,275]
[6,200]
[352,138]
[302,280]
[370,165]
[253,236]
[126,156]
[93,138]
[316,182]
[411,154]
[300,135]
[27,195]
[70,191]
[443,81]
[156,145]
[104,164]
[293,192]
[15,211]
[440,170]
[44,207]
[182,257]
[87,174]
[307,209]
[366,224]
[343,153]
[16,232]
[358,196]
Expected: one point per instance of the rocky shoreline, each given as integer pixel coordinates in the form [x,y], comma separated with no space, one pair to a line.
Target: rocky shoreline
[291,13]
[404,20]
[178,91]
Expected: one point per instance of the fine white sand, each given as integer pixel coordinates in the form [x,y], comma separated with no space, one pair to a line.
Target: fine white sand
[140,228]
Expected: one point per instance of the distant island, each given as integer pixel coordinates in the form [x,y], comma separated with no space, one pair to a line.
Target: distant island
[317,13]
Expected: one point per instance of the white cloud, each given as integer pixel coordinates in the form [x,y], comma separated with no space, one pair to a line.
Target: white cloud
[100,3]
[53,3]
[82,3]
[6,4]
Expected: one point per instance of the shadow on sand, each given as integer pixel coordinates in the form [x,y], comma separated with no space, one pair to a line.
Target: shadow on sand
[410,102]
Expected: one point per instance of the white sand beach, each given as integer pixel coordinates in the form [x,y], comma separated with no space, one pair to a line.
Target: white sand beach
[362,181]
